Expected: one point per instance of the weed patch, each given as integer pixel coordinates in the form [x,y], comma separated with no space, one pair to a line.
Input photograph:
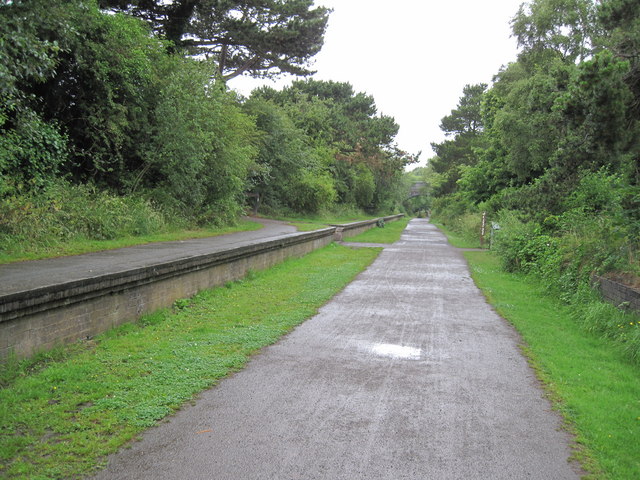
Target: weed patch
[68,219]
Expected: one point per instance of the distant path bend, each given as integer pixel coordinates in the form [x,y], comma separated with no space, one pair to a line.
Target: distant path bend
[406,374]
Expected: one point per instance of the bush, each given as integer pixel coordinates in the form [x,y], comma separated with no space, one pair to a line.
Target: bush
[312,193]
[65,212]
[522,246]
[31,153]
[202,148]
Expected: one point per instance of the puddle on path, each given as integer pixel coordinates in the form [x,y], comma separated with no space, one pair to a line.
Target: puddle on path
[396,351]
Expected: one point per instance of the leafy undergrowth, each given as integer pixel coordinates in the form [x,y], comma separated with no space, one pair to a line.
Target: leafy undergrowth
[590,379]
[60,418]
[20,251]
[388,234]
[458,240]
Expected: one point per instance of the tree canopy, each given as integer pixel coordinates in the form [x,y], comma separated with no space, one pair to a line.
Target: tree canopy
[464,126]
[118,95]
[260,37]
[360,160]
[558,124]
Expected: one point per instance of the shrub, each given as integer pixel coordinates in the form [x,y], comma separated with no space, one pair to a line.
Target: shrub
[202,147]
[522,246]
[313,192]
[64,211]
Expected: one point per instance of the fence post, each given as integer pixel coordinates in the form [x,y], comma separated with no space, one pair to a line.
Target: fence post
[482,230]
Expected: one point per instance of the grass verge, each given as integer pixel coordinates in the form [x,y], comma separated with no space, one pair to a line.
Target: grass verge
[389,234]
[79,246]
[590,380]
[61,417]
[458,240]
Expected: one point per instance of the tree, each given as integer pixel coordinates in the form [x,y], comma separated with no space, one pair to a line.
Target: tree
[32,147]
[333,112]
[621,22]
[465,125]
[565,26]
[261,37]
[553,117]
[363,160]
[102,92]
[200,149]
[291,171]
[348,122]
[467,116]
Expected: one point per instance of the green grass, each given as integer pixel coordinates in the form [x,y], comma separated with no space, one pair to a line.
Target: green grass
[389,234]
[458,240]
[590,379]
[316,222]
[80,246]
[61,417]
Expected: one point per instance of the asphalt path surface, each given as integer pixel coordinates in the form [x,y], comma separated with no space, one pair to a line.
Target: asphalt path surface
[406,374]
[24,276]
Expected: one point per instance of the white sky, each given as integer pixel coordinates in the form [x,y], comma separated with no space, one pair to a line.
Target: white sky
[413,56]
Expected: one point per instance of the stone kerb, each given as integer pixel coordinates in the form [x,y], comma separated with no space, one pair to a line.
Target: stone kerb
[39,319]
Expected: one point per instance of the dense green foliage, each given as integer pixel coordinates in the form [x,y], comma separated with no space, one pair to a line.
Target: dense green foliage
[108,95]
[322,143]
[554,155]
[263,38]
[62,413]
[104,103]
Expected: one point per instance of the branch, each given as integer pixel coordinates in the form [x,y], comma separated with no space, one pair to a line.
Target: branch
[203,43]
[243,68]
[222,59]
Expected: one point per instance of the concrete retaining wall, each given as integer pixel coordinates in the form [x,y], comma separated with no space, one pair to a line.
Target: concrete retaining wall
[618,294]
[40,319]
[346,230]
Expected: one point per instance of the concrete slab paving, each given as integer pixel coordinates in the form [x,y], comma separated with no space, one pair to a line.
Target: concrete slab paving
[30,275]
[406,374]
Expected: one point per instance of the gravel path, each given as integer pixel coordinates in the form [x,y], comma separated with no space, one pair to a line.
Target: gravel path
[406,374]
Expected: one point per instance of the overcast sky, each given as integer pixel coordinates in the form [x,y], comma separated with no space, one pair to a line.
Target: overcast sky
[413,56]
